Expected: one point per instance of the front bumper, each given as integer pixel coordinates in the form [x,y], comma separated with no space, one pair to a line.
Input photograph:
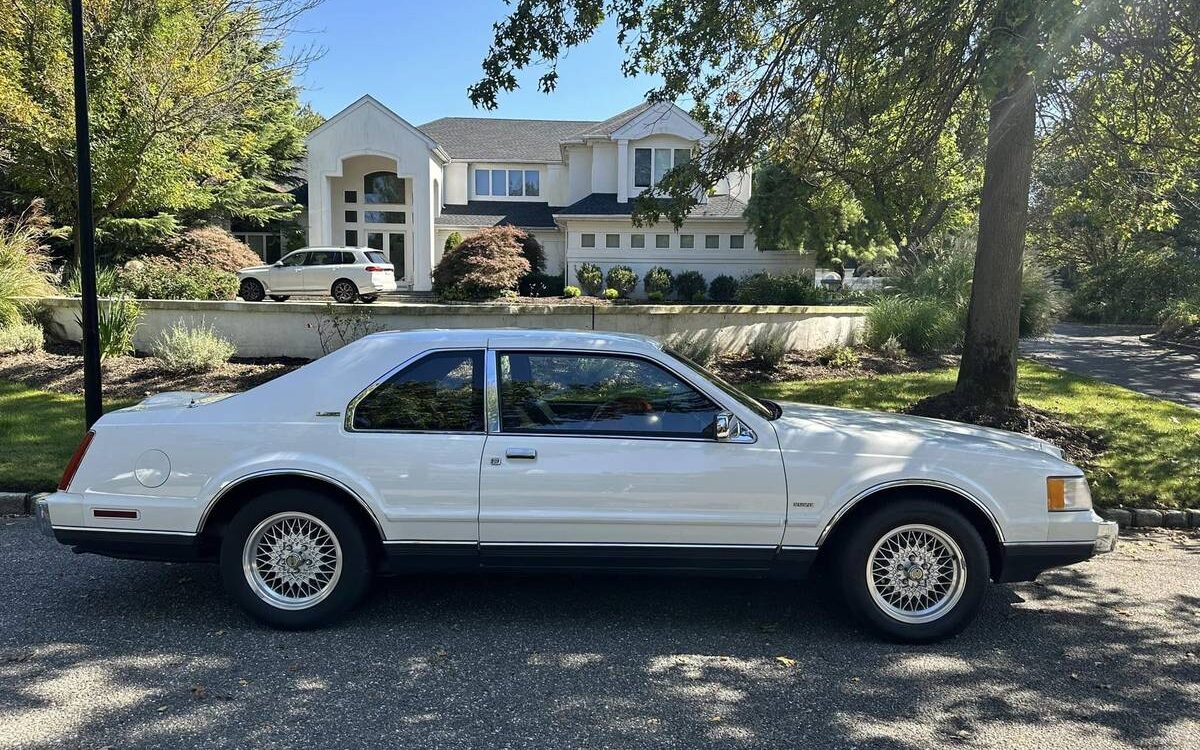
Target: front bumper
[1106,537]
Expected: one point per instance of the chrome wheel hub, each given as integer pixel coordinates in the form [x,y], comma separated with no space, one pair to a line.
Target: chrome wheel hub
[916,573]
[292,560]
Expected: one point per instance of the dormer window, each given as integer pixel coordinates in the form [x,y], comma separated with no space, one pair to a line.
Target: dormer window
[650,165]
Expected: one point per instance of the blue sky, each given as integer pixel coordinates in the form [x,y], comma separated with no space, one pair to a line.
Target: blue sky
[418,58]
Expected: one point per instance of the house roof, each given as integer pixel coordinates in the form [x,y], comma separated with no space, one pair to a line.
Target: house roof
[612,124]
[497,139]
[605,204]
[494,213]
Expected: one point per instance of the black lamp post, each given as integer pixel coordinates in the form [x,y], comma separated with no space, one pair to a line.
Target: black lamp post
[85,232]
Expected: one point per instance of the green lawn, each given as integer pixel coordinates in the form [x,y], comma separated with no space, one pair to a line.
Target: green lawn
[38,432]
[1154,446]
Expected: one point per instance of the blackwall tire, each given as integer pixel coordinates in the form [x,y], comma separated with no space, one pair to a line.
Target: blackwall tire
[914,571]
[344,291]
[251,290]
[295,559]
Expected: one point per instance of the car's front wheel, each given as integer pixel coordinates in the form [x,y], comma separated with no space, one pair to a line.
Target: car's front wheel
[295,559]
[251,290]
[914,570]
[344,290]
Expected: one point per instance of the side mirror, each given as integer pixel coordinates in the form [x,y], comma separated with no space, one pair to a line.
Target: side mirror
[723,426]
[277,263]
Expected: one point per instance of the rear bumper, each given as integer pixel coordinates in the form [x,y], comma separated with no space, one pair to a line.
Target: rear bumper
[385,285]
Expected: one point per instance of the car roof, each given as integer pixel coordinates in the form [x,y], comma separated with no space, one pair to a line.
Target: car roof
[527,338]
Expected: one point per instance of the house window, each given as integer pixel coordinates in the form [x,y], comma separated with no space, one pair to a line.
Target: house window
[350,196]
[662,241]
[637,241]
[662,163]
[587,240]
[508,182]
[712,241]
[352,217]
[641,167]
[687,241]
[612,240]
[351,238]
[682,156]
[737,241]
[383,187]
[383,217]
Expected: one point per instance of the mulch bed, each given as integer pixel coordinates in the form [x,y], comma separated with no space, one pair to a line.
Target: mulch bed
[60,369]
[1078,444]
[809,366]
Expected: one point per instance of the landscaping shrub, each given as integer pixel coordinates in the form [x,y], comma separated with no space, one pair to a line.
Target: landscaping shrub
[541,285]
[156,277]
[1180,315]
[918,325]
[767,349]
[700,351]
[611,294]
[213,247]
[108,282]
[24,264]
[623,279]
[184,349]
[572,291]
[690,286]
[1043,301]
[533,251]
[454,240]
[659,281]
[482,266]
[838,357]
[891,348]
[118,320]
[20,337]
[781,289]
[724,288]
[590,279]
[1135,287]
[655,296]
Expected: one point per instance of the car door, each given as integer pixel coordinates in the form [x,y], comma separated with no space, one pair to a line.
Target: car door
[417,436]
[321,270]
[611,459]
[288,275]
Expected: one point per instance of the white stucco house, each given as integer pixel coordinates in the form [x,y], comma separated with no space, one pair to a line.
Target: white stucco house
[376,180]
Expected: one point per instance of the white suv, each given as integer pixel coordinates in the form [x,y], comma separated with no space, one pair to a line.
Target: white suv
[344,273]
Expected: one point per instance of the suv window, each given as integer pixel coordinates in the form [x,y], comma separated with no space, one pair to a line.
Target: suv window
[593,394]
[323,258]
[295,259]
[441,392]
[374,256]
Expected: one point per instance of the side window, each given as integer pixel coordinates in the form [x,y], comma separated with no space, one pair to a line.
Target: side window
[295,259]
[441,392]
[587,394]
[322,258]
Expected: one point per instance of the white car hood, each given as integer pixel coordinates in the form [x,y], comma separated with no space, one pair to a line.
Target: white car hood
[885,432]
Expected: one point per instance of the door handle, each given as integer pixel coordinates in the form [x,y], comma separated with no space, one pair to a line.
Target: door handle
[527,454]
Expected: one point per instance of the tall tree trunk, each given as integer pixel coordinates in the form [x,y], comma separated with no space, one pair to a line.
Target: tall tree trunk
[987,375]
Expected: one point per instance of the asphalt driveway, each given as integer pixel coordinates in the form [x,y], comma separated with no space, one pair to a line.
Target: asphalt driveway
[1117,354]
[103,653]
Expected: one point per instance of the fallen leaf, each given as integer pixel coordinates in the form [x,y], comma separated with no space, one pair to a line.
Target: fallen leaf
[786,661]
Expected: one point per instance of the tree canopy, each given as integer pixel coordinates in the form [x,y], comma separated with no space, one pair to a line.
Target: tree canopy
[193,108]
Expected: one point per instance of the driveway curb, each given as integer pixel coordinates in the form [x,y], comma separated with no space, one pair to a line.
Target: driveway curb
[15,503]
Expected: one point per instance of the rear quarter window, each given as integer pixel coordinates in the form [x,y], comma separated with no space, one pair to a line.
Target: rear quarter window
[374,256]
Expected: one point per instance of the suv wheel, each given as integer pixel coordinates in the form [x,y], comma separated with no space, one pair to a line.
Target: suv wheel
[252,290]
[294,559]
[914,570]
[281,297]
[344,290]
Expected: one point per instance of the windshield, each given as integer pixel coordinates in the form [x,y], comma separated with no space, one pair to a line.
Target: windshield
[763,408]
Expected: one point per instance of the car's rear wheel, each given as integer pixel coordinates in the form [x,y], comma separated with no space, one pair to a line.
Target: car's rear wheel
[344,290]
[251,290]
[914,570]
[281,297]
[295,559]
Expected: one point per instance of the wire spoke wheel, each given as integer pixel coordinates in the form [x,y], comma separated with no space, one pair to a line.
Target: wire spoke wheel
[916,573]
[292,560]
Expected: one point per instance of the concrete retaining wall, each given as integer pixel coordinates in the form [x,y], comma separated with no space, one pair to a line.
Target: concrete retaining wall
[309,329]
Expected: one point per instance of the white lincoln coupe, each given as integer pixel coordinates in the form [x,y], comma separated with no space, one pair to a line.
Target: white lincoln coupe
[561,450]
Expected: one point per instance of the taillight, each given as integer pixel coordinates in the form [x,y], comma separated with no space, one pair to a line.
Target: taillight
[76,459]
[377,268]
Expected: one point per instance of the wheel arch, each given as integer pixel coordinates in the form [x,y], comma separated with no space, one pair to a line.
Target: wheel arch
[973,509]
[234,497]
